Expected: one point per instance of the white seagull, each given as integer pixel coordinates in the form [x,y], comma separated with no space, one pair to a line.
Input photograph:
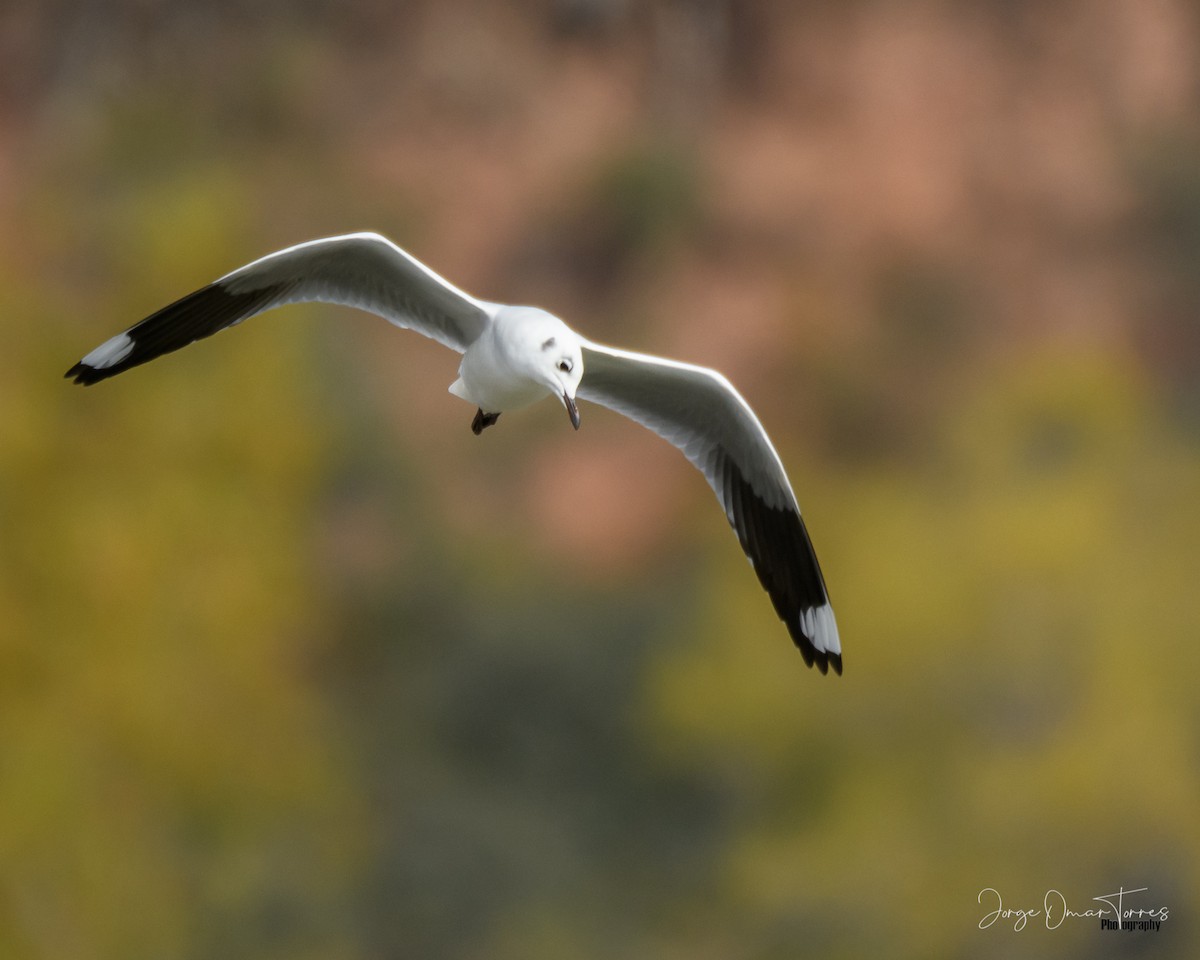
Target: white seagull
[513,356]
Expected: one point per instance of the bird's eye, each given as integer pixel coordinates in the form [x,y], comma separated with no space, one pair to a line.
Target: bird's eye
[564,366]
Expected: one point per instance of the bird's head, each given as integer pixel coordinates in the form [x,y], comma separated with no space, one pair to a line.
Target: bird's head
[555,354]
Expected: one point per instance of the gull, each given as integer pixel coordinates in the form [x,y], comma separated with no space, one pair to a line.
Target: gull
[513,356]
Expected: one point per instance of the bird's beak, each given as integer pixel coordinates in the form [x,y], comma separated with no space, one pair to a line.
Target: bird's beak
[572,410]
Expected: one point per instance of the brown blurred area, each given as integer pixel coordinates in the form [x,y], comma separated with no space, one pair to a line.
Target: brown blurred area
[291,665]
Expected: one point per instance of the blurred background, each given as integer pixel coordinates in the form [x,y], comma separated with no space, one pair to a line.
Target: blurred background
[293,666]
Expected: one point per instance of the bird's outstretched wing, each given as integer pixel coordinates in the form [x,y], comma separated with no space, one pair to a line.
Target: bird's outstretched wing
[700,412]
[361,270]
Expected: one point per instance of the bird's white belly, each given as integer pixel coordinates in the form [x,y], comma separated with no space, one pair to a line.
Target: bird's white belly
[486,380]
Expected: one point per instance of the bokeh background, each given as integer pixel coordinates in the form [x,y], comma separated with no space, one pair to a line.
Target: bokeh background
[293,666]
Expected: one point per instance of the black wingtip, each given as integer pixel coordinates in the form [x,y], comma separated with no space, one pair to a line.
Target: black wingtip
[82,373]
[820,659]
[781,553]
[815,657]
[188,319]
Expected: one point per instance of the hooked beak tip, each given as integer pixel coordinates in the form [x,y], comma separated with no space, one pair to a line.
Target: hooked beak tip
[572,409]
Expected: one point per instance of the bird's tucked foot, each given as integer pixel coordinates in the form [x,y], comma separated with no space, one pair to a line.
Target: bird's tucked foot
[482,421]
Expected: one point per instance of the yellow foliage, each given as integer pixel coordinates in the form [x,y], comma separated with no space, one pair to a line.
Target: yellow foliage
[1019,630]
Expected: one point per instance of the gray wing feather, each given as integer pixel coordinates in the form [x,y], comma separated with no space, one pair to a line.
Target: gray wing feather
[362,270]
[695,409]
[699,412]
[368,271]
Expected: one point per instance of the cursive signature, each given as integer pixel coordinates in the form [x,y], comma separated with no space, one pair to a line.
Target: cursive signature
[1054,909]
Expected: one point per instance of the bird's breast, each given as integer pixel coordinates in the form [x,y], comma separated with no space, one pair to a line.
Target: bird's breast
[492,382]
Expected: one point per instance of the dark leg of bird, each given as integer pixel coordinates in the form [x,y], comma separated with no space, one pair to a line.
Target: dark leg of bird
[482,421]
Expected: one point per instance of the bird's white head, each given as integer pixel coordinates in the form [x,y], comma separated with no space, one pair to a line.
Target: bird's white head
[553,355]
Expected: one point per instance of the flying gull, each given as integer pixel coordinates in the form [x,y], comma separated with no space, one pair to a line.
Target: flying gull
[512,356]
